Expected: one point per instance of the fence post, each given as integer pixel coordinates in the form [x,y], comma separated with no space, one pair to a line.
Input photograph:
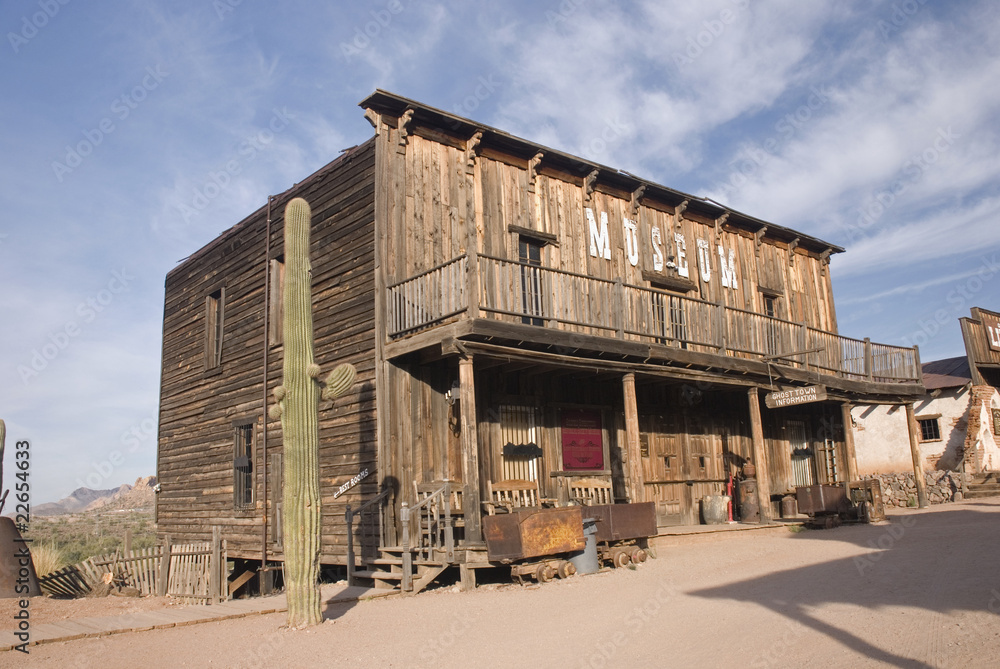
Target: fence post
[128,544]
[720,317]
[406,583]
[349,517]
[869,372]
[214,568]
[163,587]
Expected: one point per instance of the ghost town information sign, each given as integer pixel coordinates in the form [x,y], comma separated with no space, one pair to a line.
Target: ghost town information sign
[785,398]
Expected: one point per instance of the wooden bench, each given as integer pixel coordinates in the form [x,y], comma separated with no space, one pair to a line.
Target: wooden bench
[590,492]
[506,496]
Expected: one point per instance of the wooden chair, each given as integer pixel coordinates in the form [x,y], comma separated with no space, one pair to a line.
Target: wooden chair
[589,492]
[510,495]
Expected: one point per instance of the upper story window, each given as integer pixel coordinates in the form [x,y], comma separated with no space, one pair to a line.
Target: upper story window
[770,306]
[215,309]
[529,251]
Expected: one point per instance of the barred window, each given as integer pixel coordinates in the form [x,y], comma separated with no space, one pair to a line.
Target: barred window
[930,430]
[243,466]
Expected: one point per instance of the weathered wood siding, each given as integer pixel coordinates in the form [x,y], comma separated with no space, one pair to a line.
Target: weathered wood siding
[442,193]
[198,407]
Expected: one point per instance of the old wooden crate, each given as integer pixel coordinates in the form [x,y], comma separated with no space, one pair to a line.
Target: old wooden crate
[534,533]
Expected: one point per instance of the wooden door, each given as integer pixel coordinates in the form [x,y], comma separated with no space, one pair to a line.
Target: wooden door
[801,452]
[662,466]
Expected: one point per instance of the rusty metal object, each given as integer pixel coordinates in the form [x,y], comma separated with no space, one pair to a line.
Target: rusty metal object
[619,522]
[565,569]
[534,533]
[821,500]
[638,555]
[542,571]
[620,557]
[749,504]
[866,499]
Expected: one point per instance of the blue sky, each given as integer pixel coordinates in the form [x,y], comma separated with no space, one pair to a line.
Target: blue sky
[136,132]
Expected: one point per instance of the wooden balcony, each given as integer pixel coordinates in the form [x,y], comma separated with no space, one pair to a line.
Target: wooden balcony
[517,292]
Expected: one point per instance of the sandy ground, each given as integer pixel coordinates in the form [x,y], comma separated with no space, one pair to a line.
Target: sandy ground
[921,591]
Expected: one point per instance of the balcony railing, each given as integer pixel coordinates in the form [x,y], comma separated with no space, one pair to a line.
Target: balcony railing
[519,292]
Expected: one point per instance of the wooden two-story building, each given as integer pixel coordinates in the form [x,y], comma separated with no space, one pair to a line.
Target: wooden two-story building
[514,312]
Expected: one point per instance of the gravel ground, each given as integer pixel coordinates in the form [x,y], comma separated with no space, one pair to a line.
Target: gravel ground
[920,591]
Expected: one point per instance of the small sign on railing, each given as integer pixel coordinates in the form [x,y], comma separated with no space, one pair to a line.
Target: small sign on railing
[785,398]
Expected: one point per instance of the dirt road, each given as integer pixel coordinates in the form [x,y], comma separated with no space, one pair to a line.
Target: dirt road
[922,591]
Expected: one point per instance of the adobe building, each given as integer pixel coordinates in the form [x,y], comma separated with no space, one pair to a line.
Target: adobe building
[957,421]
[516,314]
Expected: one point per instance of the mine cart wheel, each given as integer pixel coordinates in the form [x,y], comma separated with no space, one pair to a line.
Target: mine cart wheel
[620,557]
[865,512]
[638,555]
[544,573]
[565,569]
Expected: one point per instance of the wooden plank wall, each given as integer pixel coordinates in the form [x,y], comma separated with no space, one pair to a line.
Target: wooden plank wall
[195,462]
[439,200]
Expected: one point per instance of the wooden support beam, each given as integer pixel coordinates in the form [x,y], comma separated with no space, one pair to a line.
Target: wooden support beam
[633,454]
[850,452]
[470,452]
[918,468]
[760,459]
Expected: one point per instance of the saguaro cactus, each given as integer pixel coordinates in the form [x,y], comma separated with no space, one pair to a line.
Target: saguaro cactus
[298,407]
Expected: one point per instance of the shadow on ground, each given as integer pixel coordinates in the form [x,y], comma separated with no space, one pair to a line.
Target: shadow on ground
[938,560]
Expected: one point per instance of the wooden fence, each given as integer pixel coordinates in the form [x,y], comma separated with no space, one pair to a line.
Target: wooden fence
[195,572]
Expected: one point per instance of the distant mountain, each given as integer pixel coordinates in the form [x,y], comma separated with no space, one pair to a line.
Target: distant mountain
[125,496]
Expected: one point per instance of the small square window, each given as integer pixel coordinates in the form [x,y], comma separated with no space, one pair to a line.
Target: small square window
[930,430]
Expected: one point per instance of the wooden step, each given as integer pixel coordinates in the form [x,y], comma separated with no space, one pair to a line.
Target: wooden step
[399,562]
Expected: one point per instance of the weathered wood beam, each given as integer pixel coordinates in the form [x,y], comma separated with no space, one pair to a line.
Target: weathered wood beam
[679,212]
[470,451]
[588,184]
[918,468]
[472,151]
[760,459]
[850,451]
[633,455]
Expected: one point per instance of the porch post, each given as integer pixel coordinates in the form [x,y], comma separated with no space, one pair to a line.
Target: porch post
[633,454]
[760,462]
[918,469]
[850,452]
[470,452]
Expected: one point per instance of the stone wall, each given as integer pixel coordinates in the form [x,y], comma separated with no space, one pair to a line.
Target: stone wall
[901,490]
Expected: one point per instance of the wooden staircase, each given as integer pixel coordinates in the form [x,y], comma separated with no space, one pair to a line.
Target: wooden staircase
[412,566]
[390,574]
[986,484]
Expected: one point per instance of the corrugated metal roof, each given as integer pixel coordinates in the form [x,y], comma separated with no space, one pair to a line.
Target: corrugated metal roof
[947,373]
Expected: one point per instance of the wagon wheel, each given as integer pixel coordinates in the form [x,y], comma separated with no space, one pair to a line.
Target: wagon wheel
[620,557]
[544,573]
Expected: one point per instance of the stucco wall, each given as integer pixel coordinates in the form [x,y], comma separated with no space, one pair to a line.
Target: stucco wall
[982,442]
[882,442]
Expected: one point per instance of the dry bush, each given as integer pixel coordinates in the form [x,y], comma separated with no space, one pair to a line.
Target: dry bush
[47,558]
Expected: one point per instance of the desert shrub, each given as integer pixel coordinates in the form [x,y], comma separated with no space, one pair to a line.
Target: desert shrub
[48,558]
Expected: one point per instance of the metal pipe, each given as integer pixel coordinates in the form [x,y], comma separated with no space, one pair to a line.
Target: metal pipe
[267,344]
